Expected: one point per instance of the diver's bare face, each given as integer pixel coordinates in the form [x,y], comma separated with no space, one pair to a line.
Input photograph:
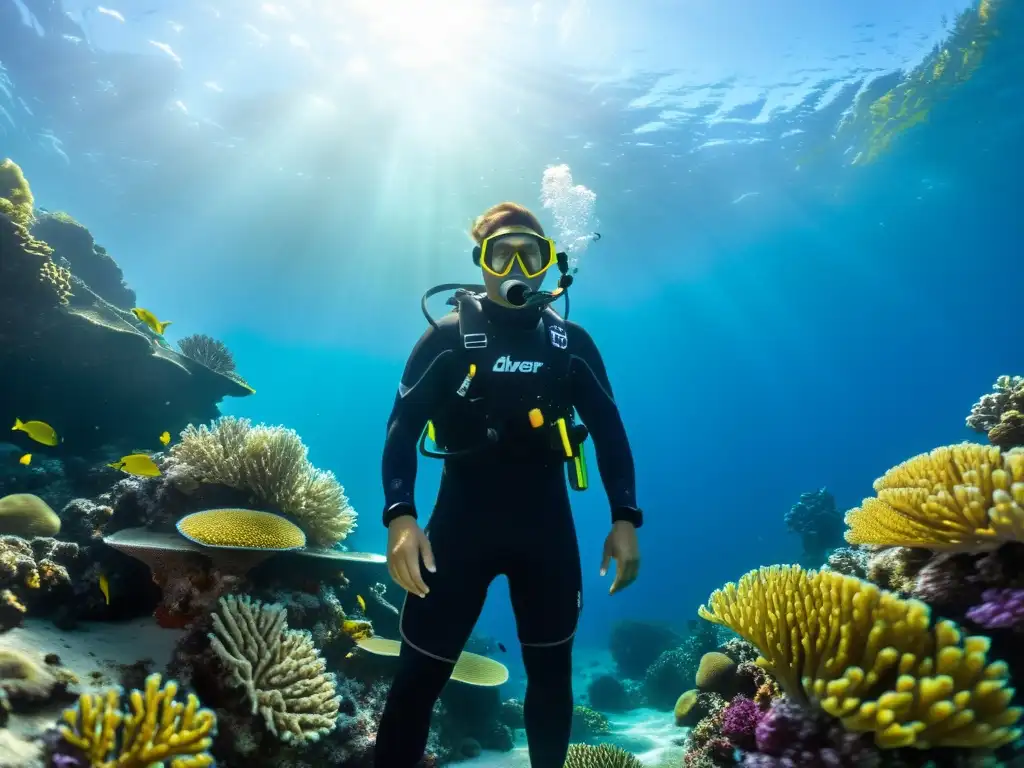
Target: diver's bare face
[507,290]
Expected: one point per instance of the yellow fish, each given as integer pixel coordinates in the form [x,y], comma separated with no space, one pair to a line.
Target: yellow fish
[150,320]
[39,431]
[105,587]
[25,460]
[140,464]
[165,438]
[362,603]
[350,654]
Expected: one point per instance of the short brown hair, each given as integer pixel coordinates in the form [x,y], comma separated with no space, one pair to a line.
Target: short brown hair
[503,215]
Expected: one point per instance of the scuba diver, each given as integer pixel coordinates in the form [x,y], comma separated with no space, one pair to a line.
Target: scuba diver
[495,386]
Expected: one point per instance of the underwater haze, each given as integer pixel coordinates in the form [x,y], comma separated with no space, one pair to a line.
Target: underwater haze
[809,269]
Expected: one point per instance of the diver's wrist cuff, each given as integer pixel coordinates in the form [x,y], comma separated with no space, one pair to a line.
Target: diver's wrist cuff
[632,515]
[398,510]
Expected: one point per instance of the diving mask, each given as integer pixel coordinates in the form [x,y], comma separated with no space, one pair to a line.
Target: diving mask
[498,253]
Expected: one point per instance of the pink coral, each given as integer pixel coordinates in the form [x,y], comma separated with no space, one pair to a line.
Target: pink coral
[739,722]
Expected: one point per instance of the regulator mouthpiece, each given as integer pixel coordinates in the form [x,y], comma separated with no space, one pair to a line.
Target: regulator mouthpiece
[515,292]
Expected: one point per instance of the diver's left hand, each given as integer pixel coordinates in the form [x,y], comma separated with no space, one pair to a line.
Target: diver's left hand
[622,545]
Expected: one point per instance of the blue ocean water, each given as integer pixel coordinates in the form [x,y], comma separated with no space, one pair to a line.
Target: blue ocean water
[784,300]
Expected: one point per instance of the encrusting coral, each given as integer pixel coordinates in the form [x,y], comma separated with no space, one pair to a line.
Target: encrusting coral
[272,465]
[283,675]
[157,729]
[870,658]
[964,497]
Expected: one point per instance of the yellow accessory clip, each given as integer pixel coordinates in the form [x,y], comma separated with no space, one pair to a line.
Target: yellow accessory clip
[563,433]
[536,418]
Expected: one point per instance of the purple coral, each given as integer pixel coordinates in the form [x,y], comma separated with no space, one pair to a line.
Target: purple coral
[740,721]
[789,736]
[999,609]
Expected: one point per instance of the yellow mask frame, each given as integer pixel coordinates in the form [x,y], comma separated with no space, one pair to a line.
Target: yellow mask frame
[481,253]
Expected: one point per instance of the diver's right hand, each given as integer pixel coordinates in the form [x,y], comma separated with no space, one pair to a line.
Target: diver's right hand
[407,543]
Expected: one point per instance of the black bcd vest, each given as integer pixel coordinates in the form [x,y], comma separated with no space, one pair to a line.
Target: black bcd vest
[517,370]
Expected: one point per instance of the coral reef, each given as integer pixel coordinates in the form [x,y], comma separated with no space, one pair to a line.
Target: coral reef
[716,673]
[158,728]
[636,645]
[818,523]
[27,683]
[998,414]
[607,694]
[271,465]
[73,245]
[675,670]
[849,561]
[796,618]
[963,497]
[790,735]
[37,573]
[282,673]
[588,724]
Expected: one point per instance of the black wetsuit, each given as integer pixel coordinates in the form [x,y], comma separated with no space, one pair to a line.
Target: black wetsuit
[502,508]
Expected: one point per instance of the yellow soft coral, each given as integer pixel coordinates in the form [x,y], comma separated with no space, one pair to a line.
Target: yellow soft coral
[964,497]
[870,658]
[157,729]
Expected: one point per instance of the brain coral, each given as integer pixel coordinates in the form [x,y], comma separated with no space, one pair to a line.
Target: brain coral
[242,528]
[964,497]
[22,514]
[871,659]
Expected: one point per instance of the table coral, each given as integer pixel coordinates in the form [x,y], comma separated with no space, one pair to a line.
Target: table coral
[964,497]
[156,729]
[870,658]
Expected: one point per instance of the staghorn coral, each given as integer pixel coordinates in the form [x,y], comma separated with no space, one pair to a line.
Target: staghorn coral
[600,756]
[271,464]
[283,676]
[1000,609]
[208,351]
[988,411]
[964,497]
[870,658]
[157,729]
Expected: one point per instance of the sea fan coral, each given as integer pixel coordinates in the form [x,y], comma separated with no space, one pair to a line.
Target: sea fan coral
[283,675]
[270,463]
[963,497]
[870,658]
[208,351]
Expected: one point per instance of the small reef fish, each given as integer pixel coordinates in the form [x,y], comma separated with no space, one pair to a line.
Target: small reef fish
[39,431]
[137,464]
[105,587]
[147,317]
[362,603]
[165,438]
[350,654]
[25,460]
